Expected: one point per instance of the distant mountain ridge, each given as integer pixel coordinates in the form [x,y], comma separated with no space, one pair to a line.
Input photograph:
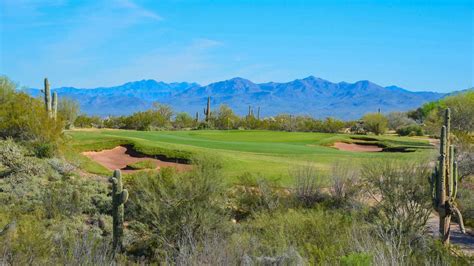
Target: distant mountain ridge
[310,96]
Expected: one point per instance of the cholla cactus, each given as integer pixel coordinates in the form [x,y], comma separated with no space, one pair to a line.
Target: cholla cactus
[47,97]
[119,197]
[207,111]
[444,183]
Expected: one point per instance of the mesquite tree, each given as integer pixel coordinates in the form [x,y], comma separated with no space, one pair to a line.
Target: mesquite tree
[444,183]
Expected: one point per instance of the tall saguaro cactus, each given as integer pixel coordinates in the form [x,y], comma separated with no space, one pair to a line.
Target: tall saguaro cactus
[55,105]
[207,111]
[119,197]
[47,97]
[444,183]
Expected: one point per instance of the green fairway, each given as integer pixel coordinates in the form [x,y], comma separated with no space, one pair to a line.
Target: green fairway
[268,154]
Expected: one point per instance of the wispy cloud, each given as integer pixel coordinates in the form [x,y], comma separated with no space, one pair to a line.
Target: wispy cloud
[188,62]
[139,10]
[76,42]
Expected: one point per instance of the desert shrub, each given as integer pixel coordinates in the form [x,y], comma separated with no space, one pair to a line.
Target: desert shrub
[11,157]
[315,240]
[397,120]
[403,201]
[357,259]
[253,195]
[24,118]
[67,198]
[345,184]
[465,198]
[68,110]
[464,144]
[410,130]
[172,208]
[184,120]
[62,167]
[20,180]
[308,185]
[366,240]
[84,121]
[462,111]
[44,150]
[29,239]
[375,122]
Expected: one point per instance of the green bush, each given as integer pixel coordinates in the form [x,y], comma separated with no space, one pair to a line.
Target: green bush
[45,150]
[410,130]
[356,259]
[25,118]
[376,123]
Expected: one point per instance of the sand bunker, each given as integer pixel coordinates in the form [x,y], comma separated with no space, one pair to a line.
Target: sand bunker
[119,157]
[357,147]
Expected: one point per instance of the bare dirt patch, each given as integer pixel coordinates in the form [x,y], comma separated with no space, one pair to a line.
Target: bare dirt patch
[121,156]
[356,147]
[465,242]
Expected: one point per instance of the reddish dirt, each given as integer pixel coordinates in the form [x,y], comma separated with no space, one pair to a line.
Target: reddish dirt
[356,147]
[119,158]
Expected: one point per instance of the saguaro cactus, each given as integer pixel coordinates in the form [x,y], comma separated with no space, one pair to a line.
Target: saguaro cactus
[258,113]
[207,111]
[444,183]
[47,97]
[197,117]
[119,197]
[55,105]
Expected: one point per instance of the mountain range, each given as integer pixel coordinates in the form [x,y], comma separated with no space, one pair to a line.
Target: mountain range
[310,96]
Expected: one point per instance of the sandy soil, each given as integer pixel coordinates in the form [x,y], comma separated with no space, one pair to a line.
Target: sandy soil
[465,242]
[119,158]
[356,147]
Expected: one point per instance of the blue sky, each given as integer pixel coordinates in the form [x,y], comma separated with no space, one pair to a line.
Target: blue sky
[418,45]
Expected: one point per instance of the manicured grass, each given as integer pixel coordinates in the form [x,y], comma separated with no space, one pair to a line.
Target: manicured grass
[268,154]
[146,164]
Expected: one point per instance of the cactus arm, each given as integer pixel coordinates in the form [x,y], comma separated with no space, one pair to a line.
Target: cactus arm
[455,180]
[124,196]
[55,105]
[460,219]
[433,189]
[449,190]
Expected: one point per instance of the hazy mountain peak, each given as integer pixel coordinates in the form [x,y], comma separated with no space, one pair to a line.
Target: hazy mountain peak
[308,96]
